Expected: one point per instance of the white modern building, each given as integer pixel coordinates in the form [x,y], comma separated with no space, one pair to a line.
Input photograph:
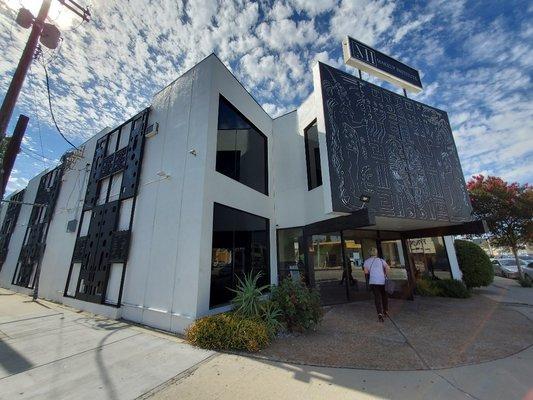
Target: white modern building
[152,221]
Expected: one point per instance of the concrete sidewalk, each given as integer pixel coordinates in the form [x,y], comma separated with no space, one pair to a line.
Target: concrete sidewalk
[53,352]
[233,377]
[49,351]
[509,293]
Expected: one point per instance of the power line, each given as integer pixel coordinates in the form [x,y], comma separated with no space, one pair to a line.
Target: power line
[38,154]
[25,151]
[50,106]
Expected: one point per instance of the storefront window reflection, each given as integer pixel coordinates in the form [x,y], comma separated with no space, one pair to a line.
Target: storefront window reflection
[291,258]
[429,258]
[393,254]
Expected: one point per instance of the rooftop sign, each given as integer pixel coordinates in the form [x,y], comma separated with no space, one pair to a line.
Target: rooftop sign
[359,55]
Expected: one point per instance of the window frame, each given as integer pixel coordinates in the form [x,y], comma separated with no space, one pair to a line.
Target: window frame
[307,159]
[265,137]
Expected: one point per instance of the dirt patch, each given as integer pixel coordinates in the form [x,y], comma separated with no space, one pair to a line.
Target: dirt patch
[428,333]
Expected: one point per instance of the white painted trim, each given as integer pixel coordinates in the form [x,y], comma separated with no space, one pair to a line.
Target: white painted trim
[452,257]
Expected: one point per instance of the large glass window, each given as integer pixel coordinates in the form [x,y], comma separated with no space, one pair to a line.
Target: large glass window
[291,255]
[325,258]
[240,246]
[429,257]
[241,148]
[312,156]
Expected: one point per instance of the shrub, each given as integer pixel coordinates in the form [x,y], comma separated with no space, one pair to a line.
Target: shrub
[299,306]
[442,288]
[525,281]
[228,331]
[248,296]
[474,263]
[452,288]
[426,287]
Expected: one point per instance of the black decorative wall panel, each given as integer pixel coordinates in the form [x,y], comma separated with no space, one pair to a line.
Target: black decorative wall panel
[104,244]
[35,239]
[9,223]
[91,194]
[95,259]
[398,151]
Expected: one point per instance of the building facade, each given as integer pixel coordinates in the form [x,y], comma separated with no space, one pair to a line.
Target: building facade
[154,220]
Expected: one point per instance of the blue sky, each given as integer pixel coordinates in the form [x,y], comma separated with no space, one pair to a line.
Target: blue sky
[475,58]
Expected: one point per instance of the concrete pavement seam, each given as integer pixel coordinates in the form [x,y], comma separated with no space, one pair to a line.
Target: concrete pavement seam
[28,319]
[410,345]
[175,379]
[455,386]
[428,366]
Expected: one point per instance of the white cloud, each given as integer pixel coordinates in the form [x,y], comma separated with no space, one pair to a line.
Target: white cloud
[109,68]
[314,7]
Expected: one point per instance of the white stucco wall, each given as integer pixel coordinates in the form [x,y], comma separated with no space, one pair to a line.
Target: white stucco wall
[296,205]
[224,190]
[17,238]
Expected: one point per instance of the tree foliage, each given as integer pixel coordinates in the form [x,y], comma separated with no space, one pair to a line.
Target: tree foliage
[507,208]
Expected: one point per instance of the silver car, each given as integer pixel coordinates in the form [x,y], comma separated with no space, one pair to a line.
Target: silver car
[506,267]
[528,270]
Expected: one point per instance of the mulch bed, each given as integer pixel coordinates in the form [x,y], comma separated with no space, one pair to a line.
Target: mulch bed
[428,333]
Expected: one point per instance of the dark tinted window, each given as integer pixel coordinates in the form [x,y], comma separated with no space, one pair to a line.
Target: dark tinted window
[312,155]
[240,246]
[241,148]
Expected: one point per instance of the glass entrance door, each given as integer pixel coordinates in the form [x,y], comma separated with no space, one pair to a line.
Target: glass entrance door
[325,258]
[357,251]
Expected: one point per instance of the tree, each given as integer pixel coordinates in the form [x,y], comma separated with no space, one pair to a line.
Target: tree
[507,209]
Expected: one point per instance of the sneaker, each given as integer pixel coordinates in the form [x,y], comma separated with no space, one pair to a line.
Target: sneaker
[380,318]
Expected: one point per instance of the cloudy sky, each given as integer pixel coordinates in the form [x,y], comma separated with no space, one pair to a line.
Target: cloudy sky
[475,57]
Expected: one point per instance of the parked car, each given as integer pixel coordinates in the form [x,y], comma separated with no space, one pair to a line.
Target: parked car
[528,270]
[506,267]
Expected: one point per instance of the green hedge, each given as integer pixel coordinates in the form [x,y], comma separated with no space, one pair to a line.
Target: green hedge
[427,288]
[452,288]
[442,288]
[229,331]
[474,264]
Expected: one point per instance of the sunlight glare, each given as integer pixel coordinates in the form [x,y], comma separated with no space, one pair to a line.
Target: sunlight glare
[58,15]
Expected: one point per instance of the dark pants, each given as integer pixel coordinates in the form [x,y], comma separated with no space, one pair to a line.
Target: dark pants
[380,298]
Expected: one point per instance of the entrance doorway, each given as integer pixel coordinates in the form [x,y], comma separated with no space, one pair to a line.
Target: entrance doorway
[325,262]
[335,262]
[332,262]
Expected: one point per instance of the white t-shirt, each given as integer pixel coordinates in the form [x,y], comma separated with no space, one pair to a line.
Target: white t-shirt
[375,266]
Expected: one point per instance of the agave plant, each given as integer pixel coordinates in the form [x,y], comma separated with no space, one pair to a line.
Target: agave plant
[271,315]
[247,300]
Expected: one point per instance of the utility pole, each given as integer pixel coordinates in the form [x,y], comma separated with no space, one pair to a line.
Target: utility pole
[12,149]
[22,68]
[38,26]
